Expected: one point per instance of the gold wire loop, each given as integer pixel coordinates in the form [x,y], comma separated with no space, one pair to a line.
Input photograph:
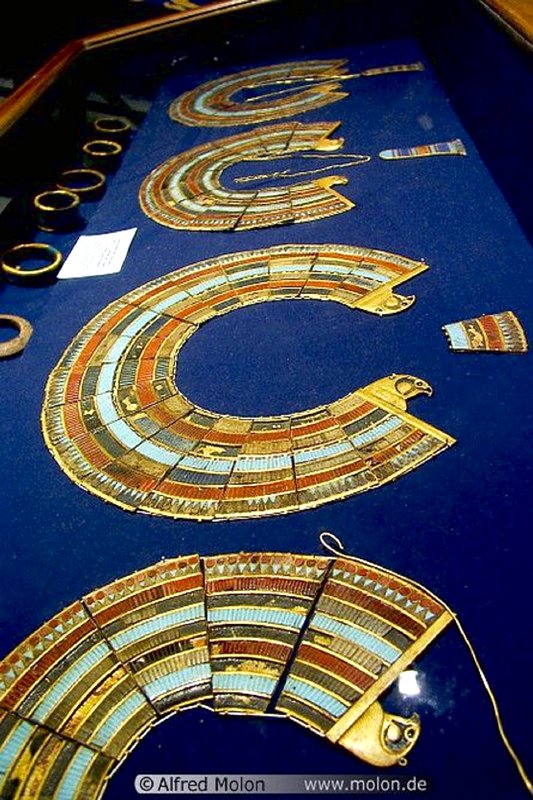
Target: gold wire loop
[338,550]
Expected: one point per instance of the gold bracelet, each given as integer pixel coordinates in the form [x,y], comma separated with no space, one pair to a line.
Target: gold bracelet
[18,342]
[88,184]
[103,154]
[12,262]
[57,210]
[119,128]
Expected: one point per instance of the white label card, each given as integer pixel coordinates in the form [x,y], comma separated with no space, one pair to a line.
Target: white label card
[102,254]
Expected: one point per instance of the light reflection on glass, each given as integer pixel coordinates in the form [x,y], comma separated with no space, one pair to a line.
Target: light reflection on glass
[408,683]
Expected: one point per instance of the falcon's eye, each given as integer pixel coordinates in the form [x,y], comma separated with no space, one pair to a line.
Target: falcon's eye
[404,386]
[394,732]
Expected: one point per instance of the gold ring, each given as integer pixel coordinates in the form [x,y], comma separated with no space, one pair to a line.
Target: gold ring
[102,153]
[13,260]
[18,342]
[86,183]
[102,147]
[57,210]
[56,200]
[113,126]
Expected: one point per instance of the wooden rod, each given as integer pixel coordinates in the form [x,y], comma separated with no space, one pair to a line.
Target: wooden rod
[22,98]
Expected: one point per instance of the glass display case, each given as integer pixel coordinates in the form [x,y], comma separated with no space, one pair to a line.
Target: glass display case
[176,445]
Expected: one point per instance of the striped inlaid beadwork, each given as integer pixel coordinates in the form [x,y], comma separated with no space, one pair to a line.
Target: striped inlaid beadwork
[117,424]
[155,623]
[257,604]
[365,624]
[452,148]
[278,91]
[312,638]
[212,103]
[37,764]
[187,192]
[491,333]
[72,694]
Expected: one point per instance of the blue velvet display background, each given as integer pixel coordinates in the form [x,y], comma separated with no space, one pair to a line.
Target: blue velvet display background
[457,524]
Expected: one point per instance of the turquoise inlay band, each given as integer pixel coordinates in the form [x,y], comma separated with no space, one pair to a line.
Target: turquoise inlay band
[262,463]
[120,430]
[331,269]
[315,696]
[158,454]
[208,284]
[70,785]
[105,408]
[374,276]
[300,201]
[208,464]
[156,624]
[147,425]
[379,430]
[14,745]
[166,684]
[140,322]
[273,616]
[105,378]
[241,681]
[302,456]
[174,441]
[174,298]
[115,352]
[118,717]
[457,336]
[249,273]
[385,651]
[290,268]
[68,679]
[504,327]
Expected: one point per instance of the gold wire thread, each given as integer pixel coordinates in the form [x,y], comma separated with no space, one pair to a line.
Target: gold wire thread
[323,80]
[319,83]
[517,762]
[340,551]
[286,173]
